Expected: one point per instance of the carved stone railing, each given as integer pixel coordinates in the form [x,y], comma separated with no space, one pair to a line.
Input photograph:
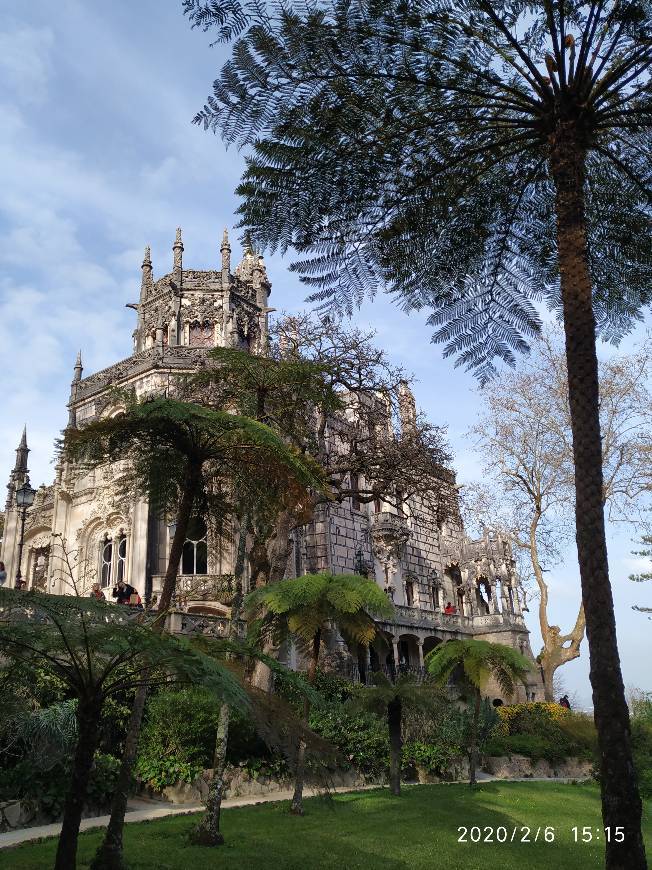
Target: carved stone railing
[427,619]
[200,587]
[209,625]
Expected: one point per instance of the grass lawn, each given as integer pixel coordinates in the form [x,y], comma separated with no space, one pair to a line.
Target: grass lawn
[367,830]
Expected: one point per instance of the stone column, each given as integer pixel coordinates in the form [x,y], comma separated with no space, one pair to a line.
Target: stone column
[493,608]
[420,649]
[517,603]
[395,648]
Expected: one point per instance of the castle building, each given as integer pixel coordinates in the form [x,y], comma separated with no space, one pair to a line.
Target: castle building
[80,530]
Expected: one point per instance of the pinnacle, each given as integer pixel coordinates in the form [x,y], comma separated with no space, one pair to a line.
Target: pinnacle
[23,440]
[178,242]
[147,258]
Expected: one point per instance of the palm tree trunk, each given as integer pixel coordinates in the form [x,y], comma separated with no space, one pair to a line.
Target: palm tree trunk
[109,855]
[190,492]
[280,548]
[394,724]
[621,803]
[207,832]
[297,798]
[88,718]
[473,743]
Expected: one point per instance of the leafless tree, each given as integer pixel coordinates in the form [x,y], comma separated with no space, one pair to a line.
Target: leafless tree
[525,435]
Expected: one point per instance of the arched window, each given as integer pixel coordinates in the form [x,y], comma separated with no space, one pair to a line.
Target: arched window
[195,551]
[106,563]
[121,564]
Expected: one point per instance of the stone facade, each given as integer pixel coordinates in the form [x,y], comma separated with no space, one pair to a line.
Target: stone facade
[80,531]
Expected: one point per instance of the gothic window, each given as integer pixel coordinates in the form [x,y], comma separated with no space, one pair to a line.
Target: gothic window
[195,551]
[409,593]
[377,505]
[106,564]
[201,334]
[121,565]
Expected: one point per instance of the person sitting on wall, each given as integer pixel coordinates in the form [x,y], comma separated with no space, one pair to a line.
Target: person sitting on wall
[564,702]
[123,593]
[449,610]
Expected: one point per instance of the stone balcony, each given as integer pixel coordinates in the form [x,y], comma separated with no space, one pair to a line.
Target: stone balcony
[387,524]
[433,620]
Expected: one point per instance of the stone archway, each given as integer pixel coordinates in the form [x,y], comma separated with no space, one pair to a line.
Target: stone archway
[409,656]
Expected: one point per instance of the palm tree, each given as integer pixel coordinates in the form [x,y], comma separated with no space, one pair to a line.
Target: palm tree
[472,157]
[98,651]
[390,698]
[481,661]
[306,609]
[184,458]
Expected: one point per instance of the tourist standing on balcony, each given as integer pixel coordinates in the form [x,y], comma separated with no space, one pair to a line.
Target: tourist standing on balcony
[125,594]
[3,574]
[449,610]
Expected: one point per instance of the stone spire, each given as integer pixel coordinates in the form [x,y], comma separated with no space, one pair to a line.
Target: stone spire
[407,408]
[177,249]
[225,250]
[79,368]
[19,473]
[22,452]
[146,280]
[76,378]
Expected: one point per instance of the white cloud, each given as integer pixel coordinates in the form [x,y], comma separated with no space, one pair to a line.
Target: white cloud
[25,62]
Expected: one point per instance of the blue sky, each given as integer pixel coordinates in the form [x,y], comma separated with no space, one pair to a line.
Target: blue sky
[98,157]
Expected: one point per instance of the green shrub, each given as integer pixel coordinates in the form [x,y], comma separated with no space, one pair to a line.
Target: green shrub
[642,751]
[434,757]
[48,788]
[178,738]
[534,746]
[361,738]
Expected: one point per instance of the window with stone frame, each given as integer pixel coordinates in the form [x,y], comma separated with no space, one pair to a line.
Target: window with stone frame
[201,334]
[106,561]
[355,488]
[194,559]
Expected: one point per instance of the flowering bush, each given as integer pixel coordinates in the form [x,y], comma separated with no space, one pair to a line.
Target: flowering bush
[531,718]
[542,729]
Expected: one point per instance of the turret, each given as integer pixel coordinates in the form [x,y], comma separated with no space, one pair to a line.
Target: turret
[79,368]
[76,378]
[225,250]
[407,408]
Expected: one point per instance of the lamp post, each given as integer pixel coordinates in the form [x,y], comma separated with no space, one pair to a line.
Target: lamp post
[24,499]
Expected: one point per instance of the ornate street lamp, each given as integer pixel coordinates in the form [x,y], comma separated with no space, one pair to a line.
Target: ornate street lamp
[24,499]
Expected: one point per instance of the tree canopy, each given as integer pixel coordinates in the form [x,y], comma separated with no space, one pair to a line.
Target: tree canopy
[380,136]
